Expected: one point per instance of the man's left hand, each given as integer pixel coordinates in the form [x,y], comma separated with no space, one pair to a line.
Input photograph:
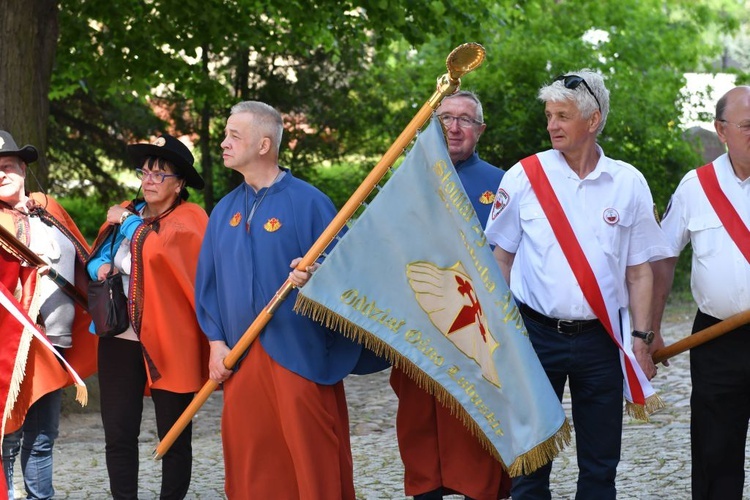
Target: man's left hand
[299,278]
[657,344]
[643,356]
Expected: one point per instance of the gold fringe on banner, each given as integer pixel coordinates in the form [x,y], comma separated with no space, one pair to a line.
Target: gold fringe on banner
[525,463]
[543,453]
[641,412]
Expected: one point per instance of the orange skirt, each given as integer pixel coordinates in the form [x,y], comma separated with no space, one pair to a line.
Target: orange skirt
[283,435]
[439,451]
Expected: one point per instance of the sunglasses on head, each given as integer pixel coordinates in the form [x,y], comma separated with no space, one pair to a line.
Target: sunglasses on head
[572,82]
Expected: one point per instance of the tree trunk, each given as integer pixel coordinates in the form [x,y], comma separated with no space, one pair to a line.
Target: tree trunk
[241,92]
[28,40]
[205,143]
[242,81]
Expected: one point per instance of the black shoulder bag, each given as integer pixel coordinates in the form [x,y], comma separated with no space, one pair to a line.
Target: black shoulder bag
[108,304]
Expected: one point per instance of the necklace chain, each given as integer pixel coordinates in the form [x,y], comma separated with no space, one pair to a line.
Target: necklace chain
[256,202]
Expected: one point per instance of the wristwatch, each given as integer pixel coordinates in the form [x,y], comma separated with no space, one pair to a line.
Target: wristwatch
[647,337]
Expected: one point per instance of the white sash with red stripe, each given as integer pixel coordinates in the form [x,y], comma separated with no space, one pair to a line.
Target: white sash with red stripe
[592,269]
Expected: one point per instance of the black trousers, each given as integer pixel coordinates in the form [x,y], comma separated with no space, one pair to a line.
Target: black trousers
[720,411]
[122,380]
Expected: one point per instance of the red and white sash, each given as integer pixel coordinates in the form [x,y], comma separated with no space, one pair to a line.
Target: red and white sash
[599,290]
[728,215]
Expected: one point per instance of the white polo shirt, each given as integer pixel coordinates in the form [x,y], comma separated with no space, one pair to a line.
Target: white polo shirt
[616,202]
[720,278]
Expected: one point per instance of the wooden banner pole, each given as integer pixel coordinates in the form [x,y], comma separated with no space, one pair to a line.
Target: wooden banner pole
[461,60]
[701,337]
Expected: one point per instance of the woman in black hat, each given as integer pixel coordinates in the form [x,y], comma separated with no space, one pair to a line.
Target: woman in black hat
[163,352]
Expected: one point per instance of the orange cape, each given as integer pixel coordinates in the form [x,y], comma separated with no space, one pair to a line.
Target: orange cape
[44,373]
[162,298]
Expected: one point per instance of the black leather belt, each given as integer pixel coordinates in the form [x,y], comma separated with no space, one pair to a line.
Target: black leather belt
[564,326]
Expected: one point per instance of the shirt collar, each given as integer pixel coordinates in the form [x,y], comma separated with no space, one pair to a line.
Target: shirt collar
[468,161]
[603,166]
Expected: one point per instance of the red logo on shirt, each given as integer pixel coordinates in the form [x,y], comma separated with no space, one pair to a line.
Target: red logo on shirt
[487,198]
[272,224]
[501,201]
[611,216]
[235,220]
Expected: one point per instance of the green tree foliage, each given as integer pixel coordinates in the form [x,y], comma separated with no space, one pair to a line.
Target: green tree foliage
[88,215]
[127,68]
[350,75]
[642,47]
[736,56]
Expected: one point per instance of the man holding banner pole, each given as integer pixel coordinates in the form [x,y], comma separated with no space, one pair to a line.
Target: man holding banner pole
[440,454]
[285,426]
[574,232]
[710,209]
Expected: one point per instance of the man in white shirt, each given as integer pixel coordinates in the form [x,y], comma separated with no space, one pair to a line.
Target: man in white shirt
[711,210]
[574,233]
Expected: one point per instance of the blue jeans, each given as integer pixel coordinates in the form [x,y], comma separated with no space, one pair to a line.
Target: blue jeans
[590,361]
[35,440]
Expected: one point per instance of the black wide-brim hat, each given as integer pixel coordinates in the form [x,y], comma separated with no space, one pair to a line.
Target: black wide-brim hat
[174,151]
[8,147]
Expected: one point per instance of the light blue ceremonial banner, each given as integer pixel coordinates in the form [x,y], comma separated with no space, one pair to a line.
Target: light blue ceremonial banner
[416,280]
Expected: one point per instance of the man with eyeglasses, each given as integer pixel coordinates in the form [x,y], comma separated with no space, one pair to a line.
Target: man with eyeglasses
[574,232]
[711,210]
[440,455]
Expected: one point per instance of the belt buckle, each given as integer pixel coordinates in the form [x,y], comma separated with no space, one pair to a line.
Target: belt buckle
[564,322]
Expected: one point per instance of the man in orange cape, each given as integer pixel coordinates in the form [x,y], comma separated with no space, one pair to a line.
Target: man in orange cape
[36,377]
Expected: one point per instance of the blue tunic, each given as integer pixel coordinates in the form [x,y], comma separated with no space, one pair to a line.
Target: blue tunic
[480,180]
[240,270]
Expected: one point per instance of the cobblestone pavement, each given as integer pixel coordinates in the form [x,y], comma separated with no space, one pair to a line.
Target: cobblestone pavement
[655,459]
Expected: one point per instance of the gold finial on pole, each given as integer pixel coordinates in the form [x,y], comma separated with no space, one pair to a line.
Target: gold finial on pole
[462,60]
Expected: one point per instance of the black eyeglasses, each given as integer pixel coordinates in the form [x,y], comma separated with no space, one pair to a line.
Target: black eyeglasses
[572,82]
